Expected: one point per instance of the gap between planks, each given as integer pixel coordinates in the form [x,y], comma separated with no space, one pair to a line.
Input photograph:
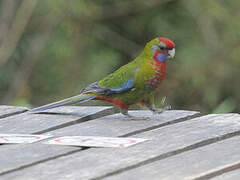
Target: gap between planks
[179,120]
[41,161]
[218,172]
[97,115]
[13,113]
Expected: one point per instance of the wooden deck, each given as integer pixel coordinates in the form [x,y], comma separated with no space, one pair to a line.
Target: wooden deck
[182,145]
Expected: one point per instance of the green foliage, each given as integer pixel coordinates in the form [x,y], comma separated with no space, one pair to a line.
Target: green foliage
[226,106]
[90,39]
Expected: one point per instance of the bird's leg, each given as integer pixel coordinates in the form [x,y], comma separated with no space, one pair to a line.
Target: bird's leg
[130,117]
[149,103]
[125,112]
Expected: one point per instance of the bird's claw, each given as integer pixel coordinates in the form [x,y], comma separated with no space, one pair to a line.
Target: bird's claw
[134,118]
[159,111]
[165,107]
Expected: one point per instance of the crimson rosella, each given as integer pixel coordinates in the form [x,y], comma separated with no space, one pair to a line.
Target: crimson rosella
[131,84]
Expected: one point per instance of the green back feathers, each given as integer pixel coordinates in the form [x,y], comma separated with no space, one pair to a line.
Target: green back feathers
[138,69]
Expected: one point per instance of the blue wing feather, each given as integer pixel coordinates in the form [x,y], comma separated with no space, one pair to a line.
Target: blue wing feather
[95,88]
[126,86]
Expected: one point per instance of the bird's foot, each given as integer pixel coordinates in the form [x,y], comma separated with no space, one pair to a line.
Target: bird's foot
[165,107]
[161,110]
[134,118]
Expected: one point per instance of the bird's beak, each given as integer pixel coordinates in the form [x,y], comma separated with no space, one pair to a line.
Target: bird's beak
[171,53]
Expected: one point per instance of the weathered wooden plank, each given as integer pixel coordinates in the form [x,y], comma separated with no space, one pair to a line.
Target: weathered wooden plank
[116,125]
[232,175]
[6,111]
[113,125]
[165,142]
[38,123]
[201,163]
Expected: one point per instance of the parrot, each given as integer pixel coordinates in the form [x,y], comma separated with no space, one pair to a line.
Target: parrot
[133,83]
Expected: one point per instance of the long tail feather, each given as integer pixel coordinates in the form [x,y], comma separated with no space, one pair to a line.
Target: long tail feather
[72,100]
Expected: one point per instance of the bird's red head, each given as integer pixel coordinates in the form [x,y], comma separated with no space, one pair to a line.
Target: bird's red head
[170,45]
[160,49]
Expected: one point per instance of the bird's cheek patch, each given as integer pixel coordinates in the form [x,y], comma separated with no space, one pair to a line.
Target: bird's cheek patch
[160,57]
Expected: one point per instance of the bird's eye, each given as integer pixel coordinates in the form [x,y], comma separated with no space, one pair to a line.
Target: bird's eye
[162,48]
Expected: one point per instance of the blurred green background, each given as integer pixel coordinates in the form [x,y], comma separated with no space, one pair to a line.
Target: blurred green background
[50,49]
